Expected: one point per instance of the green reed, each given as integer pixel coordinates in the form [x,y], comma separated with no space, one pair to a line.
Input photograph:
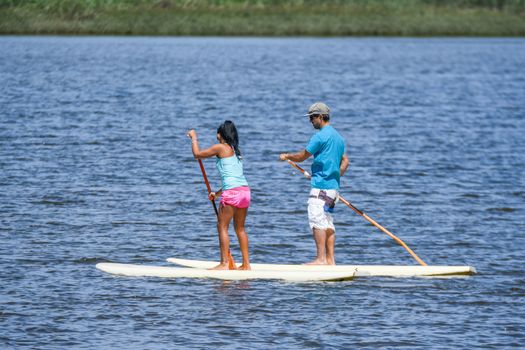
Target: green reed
[264,17]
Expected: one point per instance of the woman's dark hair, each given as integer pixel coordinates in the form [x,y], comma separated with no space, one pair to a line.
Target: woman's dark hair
[228,132]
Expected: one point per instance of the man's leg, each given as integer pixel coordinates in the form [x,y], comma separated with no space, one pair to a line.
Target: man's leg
[320,244]
[330,247]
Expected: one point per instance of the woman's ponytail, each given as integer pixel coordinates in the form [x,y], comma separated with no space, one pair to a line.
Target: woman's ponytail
[228,132]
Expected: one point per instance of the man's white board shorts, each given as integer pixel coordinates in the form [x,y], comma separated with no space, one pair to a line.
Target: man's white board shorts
[317,216]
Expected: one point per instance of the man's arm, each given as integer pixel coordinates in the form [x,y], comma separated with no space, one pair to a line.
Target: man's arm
[344,164]
[295,157]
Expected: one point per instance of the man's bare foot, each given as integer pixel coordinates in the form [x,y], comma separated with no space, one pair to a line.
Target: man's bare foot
[244,267]
[316,262]
[220,267]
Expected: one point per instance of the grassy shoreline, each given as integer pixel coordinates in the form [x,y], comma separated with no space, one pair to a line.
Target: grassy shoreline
[263,17]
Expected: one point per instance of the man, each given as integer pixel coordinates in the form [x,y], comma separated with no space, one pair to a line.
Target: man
[330,163]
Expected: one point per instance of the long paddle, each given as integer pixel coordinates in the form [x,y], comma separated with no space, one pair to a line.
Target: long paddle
[208,187]
[369,219]
[231,262]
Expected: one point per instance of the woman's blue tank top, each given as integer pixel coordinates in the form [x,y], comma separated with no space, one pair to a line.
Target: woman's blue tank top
[231,171]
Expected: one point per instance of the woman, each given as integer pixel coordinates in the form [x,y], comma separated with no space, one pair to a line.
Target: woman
[235,193]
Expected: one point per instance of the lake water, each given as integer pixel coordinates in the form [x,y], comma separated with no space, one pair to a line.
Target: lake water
[95,166]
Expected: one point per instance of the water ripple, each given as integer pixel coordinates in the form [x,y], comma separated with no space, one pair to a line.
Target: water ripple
[96,166]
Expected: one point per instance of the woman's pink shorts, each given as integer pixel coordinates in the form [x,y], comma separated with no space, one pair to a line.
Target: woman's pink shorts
[238,197]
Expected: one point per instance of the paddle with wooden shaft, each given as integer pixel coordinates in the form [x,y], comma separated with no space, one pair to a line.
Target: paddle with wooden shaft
[208,187]
[231,262]
[369,219]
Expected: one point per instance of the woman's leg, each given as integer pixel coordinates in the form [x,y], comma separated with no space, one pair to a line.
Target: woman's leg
[225,217]
[239,218]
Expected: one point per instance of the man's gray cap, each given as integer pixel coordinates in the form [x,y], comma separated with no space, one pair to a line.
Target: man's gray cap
[318,108]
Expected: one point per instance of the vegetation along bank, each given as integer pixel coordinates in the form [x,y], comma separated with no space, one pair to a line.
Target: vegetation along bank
[264,17]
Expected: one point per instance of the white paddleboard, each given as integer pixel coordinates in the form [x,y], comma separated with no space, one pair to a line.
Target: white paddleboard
[181,272]
[357,270]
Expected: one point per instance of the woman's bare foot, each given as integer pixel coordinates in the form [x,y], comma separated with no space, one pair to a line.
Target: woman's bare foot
[244,267]
[221,266]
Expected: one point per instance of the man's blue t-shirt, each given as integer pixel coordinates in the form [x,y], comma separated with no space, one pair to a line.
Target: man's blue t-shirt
[327,147]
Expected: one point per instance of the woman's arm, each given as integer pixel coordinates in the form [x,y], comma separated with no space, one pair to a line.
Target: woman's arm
[214,195]
[207,153]
[197,152]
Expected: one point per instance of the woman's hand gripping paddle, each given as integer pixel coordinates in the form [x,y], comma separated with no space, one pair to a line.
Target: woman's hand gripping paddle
[231,262]
[367,218]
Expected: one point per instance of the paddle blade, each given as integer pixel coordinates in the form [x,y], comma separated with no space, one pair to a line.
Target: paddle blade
[231,262]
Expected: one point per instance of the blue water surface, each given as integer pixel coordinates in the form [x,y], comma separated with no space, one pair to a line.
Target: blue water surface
[95,166]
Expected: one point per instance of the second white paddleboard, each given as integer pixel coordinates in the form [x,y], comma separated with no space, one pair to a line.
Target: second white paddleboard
[357,270]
